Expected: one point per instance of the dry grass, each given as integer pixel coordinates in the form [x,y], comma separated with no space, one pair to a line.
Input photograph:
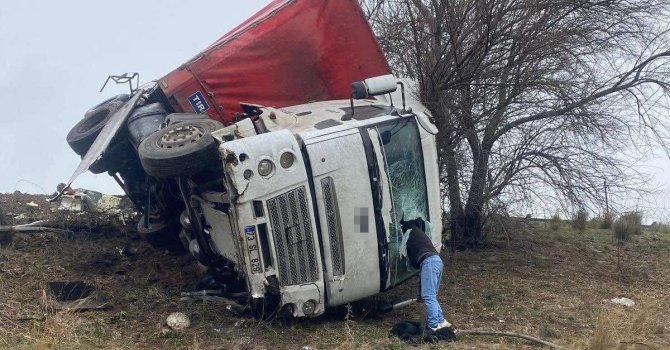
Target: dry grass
[627,225]
[617,328]
[541,282]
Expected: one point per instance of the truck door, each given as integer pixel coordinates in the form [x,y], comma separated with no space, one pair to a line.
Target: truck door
[398,148]
[345,210]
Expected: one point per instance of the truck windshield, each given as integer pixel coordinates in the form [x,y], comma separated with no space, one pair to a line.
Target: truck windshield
[404,170]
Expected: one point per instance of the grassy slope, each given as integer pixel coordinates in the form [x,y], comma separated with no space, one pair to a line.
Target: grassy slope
[553,284]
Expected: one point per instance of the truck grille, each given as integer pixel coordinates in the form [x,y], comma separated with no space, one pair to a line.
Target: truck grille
[334,226]
[293,238]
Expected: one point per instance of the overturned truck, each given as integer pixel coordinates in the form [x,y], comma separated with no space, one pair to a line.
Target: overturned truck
[292,205]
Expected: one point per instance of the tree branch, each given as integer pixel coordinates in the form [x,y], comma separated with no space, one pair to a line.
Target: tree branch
[509,334]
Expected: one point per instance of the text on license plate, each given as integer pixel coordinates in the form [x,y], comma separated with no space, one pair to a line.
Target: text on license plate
[252,247]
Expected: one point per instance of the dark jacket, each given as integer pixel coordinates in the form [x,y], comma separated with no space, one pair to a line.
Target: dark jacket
[419,247]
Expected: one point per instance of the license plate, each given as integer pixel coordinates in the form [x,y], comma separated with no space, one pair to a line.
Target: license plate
[252,248]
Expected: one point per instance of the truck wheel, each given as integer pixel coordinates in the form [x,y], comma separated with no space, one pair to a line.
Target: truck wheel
[162,235]
[83,134]
[181,149]
[117,101]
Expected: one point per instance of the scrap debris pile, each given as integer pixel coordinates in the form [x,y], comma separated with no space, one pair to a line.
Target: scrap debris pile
[80,210]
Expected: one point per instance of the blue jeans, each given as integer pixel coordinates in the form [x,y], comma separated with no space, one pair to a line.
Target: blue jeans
[431,274]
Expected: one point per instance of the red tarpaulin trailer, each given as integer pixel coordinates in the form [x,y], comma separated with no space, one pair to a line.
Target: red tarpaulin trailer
[291,52]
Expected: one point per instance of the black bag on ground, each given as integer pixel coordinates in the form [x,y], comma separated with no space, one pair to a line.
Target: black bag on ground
[414,332]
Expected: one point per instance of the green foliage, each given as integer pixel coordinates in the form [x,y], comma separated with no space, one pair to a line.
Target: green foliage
[549,331]
[119,317]
[596,221]
[555,222]
[579,220]
[608,219]
[627,225]
[660,227]
[603,221]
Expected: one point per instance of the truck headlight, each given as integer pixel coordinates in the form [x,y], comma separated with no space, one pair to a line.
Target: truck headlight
[309,307]
[286,160]
[265,167]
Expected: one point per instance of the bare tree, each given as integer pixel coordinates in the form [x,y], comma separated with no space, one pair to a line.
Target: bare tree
[534,99]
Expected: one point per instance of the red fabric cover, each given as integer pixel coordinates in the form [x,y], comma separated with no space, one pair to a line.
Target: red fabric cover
[291,52]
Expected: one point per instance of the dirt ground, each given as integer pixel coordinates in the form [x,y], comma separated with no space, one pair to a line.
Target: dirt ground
[556,285]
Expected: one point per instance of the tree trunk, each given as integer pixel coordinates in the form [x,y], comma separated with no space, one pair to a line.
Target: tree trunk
[450,167]
[469,227]
[469,223]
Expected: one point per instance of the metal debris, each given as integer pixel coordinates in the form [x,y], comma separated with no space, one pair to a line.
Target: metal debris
[83,200]
[33,227]
[76,203]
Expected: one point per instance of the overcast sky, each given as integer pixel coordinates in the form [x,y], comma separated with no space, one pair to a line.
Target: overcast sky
[54,58]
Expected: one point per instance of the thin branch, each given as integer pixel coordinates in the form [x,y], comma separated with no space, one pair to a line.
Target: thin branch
[509,334]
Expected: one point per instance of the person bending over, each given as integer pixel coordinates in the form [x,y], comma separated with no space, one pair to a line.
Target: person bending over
[423,256]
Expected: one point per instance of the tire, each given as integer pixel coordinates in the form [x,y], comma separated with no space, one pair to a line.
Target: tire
[181,149]
[162,235]
[117,101]
[83,134]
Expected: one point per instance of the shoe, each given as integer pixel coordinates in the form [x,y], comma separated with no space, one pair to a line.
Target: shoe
[444,324]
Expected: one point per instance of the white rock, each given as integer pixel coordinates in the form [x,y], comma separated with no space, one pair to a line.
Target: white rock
[623,301]
[178,321]
[32,204]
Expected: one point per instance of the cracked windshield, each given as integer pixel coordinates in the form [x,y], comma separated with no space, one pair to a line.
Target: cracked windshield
[403,163]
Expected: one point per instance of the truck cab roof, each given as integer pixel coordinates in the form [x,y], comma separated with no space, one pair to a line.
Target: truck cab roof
[312,118]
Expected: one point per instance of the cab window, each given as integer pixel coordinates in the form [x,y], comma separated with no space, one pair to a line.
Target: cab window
[404,169]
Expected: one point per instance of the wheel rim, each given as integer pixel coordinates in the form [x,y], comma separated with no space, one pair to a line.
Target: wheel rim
[181,136]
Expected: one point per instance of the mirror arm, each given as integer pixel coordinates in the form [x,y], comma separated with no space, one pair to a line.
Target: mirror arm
[351,102]
[402,91]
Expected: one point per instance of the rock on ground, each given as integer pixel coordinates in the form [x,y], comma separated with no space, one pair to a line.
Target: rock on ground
[178,321]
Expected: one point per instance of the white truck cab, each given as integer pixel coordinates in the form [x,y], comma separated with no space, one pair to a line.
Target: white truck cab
[314,200]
